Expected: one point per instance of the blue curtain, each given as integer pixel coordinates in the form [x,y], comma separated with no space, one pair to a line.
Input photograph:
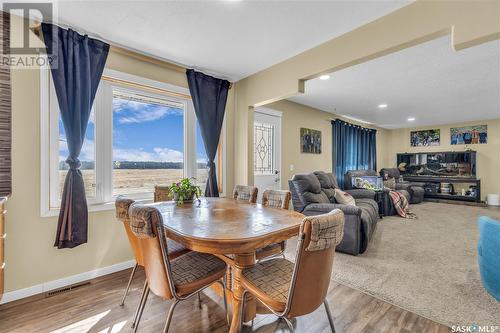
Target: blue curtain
[76,69]
[209,96]
[354,148]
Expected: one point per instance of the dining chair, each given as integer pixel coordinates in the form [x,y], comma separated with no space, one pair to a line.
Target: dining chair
[162,193]
[122,205]
[294,289]
[245,193]
[172,279]
[275,199]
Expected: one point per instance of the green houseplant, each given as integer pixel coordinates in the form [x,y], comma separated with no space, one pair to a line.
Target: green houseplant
[185,191]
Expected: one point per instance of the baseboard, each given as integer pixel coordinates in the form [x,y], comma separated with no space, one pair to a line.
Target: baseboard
[64,282]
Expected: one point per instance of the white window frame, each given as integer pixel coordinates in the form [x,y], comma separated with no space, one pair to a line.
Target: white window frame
[104,200]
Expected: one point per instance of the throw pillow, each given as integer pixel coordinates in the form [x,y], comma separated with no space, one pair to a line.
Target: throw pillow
[344,198]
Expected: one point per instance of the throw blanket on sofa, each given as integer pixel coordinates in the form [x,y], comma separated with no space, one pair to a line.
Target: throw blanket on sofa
[401,205]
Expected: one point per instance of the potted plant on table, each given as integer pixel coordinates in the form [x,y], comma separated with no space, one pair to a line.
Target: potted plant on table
[185,191]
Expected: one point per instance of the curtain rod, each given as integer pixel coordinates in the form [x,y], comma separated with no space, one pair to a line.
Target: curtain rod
[353,125]
[37,30]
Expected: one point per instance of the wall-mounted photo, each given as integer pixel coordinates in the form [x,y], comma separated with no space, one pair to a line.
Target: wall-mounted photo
[310,141]
[469,135]
[425,138]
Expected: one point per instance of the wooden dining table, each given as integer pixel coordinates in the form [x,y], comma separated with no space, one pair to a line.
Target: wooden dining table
[232,230]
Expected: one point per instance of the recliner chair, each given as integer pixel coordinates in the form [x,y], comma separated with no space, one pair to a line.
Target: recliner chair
[387,205]
[312,194]
[415,189]
[488,249]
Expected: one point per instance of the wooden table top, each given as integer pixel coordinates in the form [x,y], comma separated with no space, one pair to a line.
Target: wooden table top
[219,225]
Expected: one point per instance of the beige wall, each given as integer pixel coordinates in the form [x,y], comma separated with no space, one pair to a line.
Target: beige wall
[469,22]
[31,258]
[296,116]
[488,155]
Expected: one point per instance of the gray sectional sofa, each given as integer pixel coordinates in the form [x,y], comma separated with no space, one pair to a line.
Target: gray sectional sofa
[312,194]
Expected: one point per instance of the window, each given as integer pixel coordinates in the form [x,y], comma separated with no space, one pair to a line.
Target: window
[87,157]
[148,142]
[141,133]
[263,163]
[201,159]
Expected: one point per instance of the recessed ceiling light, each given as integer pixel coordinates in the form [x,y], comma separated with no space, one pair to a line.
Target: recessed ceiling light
[324,77]
[382,106]
[411,119]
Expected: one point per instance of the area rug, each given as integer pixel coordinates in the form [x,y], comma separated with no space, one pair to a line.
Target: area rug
[427,266]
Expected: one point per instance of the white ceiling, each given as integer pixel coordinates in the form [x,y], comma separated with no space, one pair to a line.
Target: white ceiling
[429,82]
[230,39]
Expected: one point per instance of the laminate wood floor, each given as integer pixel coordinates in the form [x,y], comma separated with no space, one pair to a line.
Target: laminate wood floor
[94,308]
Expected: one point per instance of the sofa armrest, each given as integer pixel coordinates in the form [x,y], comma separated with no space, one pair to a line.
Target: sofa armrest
[362,193]
[417,184]
[403,186]
[323,208]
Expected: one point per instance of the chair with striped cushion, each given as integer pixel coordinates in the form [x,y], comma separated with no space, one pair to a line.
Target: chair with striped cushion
[122,206]
[178,279]
[245,193]
[274,199]
[294,289]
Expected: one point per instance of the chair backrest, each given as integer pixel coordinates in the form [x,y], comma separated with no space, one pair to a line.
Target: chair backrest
[318,237]
[386,173]
[144,222]
[350,174]
[162,193]
[245,193]
[122,206]
[276,199]
[327,179]
[328,184]
[306,189]
[488,249]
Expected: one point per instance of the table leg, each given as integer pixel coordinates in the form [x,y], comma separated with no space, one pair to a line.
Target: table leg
[240,262]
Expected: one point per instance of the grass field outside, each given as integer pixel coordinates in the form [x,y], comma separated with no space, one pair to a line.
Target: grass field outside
[132,181]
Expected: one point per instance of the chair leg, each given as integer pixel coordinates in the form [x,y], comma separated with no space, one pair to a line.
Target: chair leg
[128,285]
[199,300]
[242,311]
[289,324]
[225,300]
[140,308]
[169,316]
[329,314]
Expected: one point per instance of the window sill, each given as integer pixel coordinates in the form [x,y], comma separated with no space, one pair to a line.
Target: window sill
[92,208]
[106,206]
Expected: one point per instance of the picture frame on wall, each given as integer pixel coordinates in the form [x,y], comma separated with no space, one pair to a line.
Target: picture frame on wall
[425,138]
[469,135]
[310,141]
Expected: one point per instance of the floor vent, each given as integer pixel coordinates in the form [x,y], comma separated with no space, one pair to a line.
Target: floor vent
[66,289]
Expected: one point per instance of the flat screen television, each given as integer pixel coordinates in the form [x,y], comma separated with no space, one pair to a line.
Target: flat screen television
[438,164]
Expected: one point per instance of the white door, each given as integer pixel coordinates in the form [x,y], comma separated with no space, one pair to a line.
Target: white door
[267,150]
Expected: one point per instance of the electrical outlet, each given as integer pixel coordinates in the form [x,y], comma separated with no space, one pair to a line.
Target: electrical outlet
[291,167]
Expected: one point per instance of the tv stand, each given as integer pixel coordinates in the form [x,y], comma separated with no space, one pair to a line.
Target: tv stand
[433,185]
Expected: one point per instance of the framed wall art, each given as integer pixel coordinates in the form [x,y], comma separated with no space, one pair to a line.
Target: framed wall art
[310,141]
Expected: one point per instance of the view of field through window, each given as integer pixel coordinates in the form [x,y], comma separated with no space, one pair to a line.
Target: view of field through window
[148,146]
